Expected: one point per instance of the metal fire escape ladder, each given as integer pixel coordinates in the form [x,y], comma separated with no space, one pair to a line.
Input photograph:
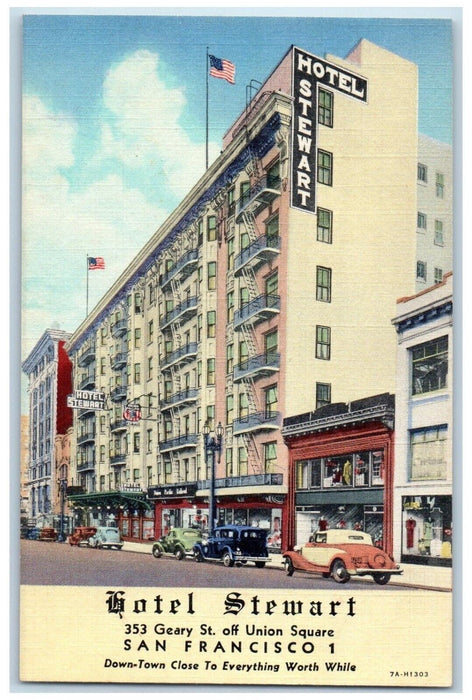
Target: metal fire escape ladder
[253,454]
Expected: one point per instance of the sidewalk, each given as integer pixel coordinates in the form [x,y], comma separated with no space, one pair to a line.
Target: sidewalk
[435,578]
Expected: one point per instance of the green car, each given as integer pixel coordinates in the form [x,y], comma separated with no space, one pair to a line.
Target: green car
[179,541]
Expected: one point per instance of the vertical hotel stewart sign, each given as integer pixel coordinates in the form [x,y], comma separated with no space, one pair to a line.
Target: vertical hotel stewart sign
[309,72]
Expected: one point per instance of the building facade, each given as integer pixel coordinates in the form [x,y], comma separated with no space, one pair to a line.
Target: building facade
[423,420]
[254,300]
[49,371]
[341,467]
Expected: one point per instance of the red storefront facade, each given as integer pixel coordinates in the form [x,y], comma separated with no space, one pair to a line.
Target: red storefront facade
[341,463]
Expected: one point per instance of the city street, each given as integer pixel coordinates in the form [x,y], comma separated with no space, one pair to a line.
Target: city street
[52,563]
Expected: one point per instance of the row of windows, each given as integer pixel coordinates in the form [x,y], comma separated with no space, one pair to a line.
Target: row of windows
[422,272]
[438,227]
[439,179]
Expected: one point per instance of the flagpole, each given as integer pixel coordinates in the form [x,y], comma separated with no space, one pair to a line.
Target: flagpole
[87,294]
[206,133]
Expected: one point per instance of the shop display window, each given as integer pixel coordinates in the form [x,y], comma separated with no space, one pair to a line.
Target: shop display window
[427,529]
[353,470]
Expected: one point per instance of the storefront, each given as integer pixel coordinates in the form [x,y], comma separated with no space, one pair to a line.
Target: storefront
[187,505]
[341,469]
[427,530]
[128,509]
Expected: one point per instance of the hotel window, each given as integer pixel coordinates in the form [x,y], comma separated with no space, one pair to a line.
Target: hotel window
[428,457]
[136,442]
[270,457]
[440,185]
[199,327]
[229,461]
[149,440]
[243,352]
[230,306]
[200,231]
[422,173]
[103,335]
[230,253]
[211,275]
[103,365]
[323,284]
[421,270]
[229,358]
[137,373]
[323,342]
[211,228]
[138,303]
[272,285]
[229,409]
[271,346]
[137,337]
[243,297]
[150,331]
[429,366]
[243,240]
[210,416]
[323,394]
[273,175]
[149,476]
[243,406]
[325,167]
[152,293]
[438,275]
[325,107]
[244,190]
[324,230]
[242,461]
[199,279]
[211,371]
[421,221]
[102,453]
[150,368]
[230,201]
[102,423]
[211,324]
[438,233]
[270,401]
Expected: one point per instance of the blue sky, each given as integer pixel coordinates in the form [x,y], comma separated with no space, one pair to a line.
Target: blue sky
[114,128]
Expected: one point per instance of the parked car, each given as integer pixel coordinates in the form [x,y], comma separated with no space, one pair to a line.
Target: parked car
[47,534]
[342,554]
[106,537]
[234,544]
[179,541]
[81,535]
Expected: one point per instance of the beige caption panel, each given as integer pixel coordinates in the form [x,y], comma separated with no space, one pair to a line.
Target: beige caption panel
[144,635]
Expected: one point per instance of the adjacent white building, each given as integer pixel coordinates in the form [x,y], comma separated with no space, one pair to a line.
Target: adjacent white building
[423,427]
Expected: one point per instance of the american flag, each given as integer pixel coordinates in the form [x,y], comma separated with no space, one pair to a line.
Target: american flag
[221,68]
[96,264]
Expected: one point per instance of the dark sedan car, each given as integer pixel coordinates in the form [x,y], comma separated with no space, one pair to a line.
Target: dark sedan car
[234,544]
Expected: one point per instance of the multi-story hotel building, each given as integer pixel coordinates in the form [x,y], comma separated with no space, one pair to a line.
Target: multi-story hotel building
[423,427]
[49,371]
[268,292]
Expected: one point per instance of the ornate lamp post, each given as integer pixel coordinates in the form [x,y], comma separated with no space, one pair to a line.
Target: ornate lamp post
[213,447]
[62,492]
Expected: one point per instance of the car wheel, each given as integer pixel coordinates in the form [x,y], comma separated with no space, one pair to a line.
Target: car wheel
[156,552]
[179,554]
[339,571]
[198,556]
[288,566]
[227,559]
[381,579]
[260,564]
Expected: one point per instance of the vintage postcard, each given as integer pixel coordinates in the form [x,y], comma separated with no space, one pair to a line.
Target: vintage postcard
[237,350]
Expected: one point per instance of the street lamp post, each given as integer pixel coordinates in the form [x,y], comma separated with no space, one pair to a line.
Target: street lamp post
[213,446]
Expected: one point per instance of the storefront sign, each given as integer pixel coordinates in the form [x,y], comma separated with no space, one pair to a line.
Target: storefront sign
[87,399]
[309,71]
[174,491]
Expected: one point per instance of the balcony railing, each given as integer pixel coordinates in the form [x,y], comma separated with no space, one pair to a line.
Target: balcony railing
[259,309]
[86,465]
[120,424]
[118,361]
[263,249]
[257,422]
[184,354]
[85,437]
[118,393]
[118,458]
[179,443]
[264,191]
[183,267]
[180,398]
[87,356]
[186,309]
[87,382]
[260,366]
[247,480]
[119,327]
